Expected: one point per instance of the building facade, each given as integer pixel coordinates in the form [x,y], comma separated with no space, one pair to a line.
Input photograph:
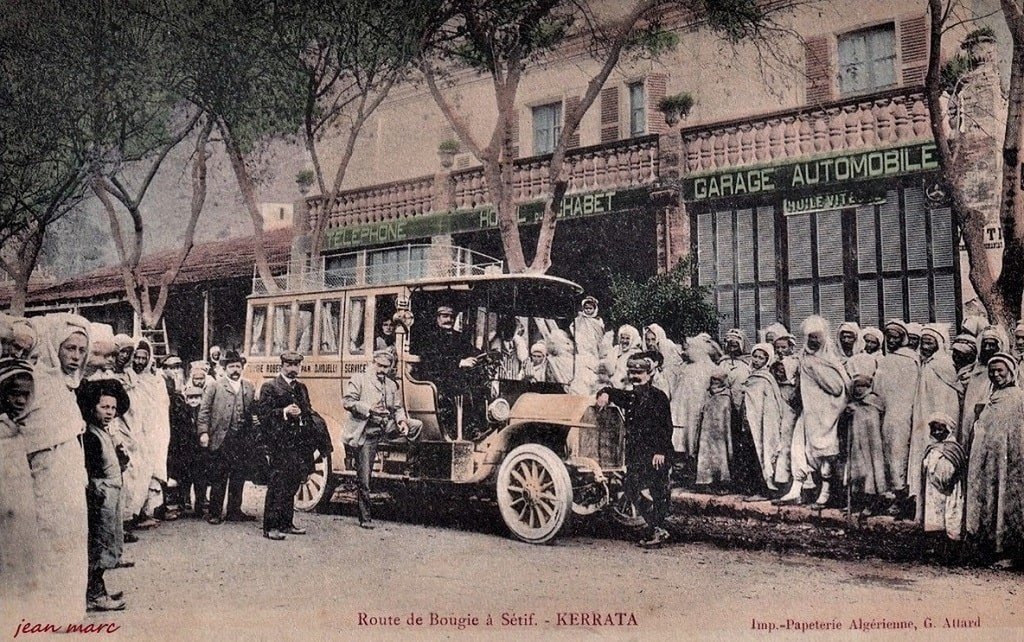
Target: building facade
[811,189]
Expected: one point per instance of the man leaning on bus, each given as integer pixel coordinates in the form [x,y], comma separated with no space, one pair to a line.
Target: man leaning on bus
[375,412]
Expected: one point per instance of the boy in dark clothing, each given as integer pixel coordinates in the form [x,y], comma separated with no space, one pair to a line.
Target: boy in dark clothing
[648,444]
[185,462]
[100,402]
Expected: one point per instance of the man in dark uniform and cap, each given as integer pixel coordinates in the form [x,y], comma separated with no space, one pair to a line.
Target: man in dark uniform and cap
[649,427]
[287,420]
[445,355]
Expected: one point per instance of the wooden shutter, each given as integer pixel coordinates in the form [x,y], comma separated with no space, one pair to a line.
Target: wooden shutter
[913,44]
[818,69]
[572,103]
[609,114]
[654,88]
[514,134]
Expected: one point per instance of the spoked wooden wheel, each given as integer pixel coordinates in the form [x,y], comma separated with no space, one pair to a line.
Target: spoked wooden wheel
[623,510]
[316,490]
[534,493]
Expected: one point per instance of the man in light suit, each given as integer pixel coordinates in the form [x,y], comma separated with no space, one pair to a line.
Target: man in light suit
[375,412]
[225,425]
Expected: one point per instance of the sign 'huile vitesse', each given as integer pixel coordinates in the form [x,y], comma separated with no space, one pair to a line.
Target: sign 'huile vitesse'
[817,173]
[421,227]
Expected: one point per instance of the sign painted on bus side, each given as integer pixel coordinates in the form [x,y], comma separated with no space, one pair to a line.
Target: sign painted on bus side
[813,174]
[418,227]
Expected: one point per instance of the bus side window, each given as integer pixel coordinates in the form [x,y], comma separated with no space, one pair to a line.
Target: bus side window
[304,331]
[384,329]
[330,317]
[355,333]
[258,333]
[282,318]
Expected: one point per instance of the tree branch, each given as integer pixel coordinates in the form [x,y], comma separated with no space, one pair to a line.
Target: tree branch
[454,119]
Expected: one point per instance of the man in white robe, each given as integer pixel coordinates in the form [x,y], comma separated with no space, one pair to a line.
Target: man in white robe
[822,385]
[991,340]
[938,392]
[896,384]
[995,472]
[763,413]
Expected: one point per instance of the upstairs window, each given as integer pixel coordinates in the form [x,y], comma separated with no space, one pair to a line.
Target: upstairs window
[637,109]
[547,127]
[867,60]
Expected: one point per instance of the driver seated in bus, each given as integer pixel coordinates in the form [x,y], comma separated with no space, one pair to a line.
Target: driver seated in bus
[445,357]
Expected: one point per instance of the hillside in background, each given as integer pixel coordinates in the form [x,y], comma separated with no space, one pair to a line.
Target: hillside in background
[81,241]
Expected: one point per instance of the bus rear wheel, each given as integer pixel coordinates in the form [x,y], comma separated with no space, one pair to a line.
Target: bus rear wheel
[318,487]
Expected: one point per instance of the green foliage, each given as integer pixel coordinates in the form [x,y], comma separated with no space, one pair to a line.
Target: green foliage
[666,299]
[734,20]
[235,70]
[652,42]
[954,69]
[87,89]
[485,35]
[448,146]
[681,102]
[984,34]
[305,177]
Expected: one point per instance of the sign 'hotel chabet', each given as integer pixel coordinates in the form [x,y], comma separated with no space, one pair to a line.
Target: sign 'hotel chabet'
[419,227]
[804,186]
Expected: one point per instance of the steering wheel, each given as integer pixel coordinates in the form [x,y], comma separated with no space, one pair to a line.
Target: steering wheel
[487,365]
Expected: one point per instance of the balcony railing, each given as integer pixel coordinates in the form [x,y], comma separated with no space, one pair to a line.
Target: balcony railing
[413,262]
[622,164]
[877,120]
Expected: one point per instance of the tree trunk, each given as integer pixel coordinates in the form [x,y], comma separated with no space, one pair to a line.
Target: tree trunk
[19,295]
[128,271]
[1011,215]
[970,221]
[248,190]
[155,312]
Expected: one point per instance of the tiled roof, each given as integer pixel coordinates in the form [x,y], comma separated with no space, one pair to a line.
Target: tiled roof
[211,261]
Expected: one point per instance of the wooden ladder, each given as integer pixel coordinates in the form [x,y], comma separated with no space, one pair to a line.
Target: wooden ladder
[157,339]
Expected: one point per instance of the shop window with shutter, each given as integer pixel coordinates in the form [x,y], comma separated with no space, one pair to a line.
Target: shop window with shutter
[867,60]
[609,114]
[736,258]
[816,269]
[906,260]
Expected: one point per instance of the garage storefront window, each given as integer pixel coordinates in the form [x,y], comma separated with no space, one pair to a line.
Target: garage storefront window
[895,259]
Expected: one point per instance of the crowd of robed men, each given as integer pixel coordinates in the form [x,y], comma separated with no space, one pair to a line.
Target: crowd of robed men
[904,420]
[97,444]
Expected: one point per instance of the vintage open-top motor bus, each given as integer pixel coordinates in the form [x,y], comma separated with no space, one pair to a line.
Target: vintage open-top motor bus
[541,453]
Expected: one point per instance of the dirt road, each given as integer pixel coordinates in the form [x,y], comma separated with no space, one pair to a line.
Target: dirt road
[457,576]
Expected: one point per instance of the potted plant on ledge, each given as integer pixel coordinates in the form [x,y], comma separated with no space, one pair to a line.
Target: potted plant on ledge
[676,107]
[446,151]
[304,179]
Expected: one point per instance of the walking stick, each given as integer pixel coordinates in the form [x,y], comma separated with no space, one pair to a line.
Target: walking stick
[846,474]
